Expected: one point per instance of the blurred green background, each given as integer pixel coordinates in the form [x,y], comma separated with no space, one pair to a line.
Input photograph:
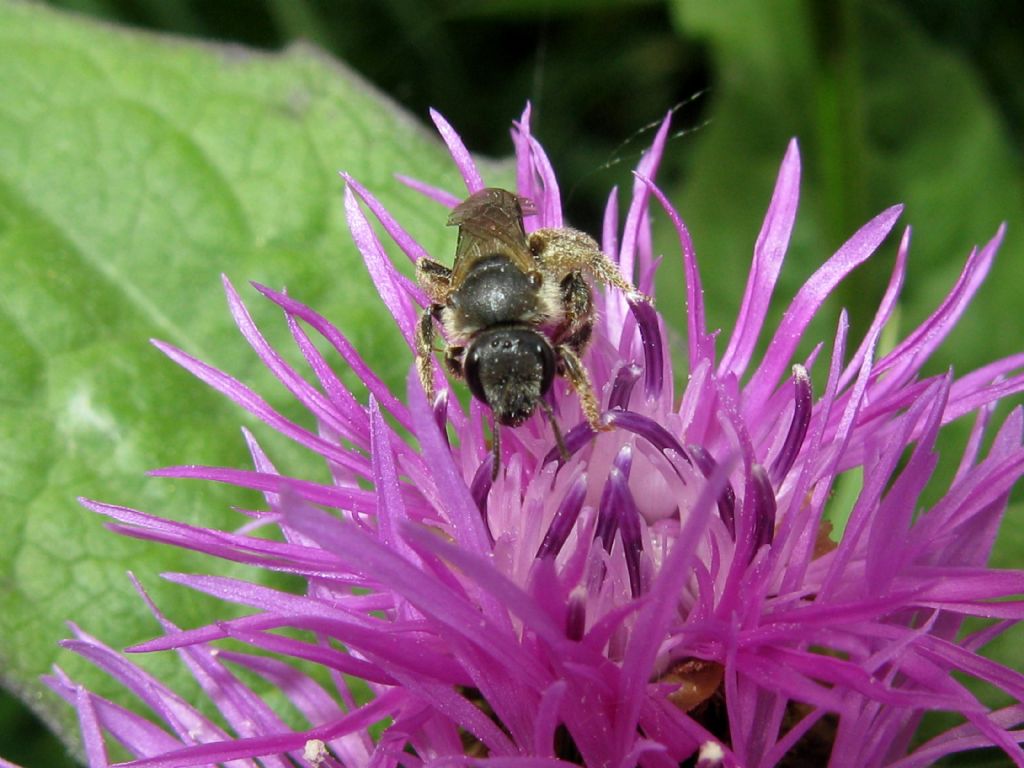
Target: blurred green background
[915,101]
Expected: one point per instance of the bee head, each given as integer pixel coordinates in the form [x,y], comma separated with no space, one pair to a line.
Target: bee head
[510,368]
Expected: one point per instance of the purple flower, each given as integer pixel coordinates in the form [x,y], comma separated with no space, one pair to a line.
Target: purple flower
[676,590]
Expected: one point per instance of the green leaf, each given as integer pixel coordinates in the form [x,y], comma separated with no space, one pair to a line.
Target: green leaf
[134,170]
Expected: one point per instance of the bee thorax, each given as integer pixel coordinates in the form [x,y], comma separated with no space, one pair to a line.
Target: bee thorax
[496,292]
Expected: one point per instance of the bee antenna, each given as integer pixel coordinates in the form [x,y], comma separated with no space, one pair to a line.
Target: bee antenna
[620,153]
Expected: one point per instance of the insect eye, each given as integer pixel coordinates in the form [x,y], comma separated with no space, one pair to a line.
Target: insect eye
[536,279]
[471,370]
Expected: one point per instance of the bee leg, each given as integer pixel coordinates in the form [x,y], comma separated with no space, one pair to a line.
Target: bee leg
[578,306]
[569,250]
[453,360]
[495,449]
[435,279]
[559,440]
[579,379]
[425,352]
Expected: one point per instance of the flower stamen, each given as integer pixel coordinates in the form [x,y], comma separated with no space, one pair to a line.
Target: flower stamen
[650,337]
[622,388]
[764,507]
[618,512]
[797,428]
[480,489]
[706,463]
[564,519]
[651,431]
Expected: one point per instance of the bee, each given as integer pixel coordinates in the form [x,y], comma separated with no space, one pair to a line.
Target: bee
[516,310]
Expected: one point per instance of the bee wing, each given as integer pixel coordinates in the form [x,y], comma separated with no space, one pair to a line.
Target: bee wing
[490,221]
